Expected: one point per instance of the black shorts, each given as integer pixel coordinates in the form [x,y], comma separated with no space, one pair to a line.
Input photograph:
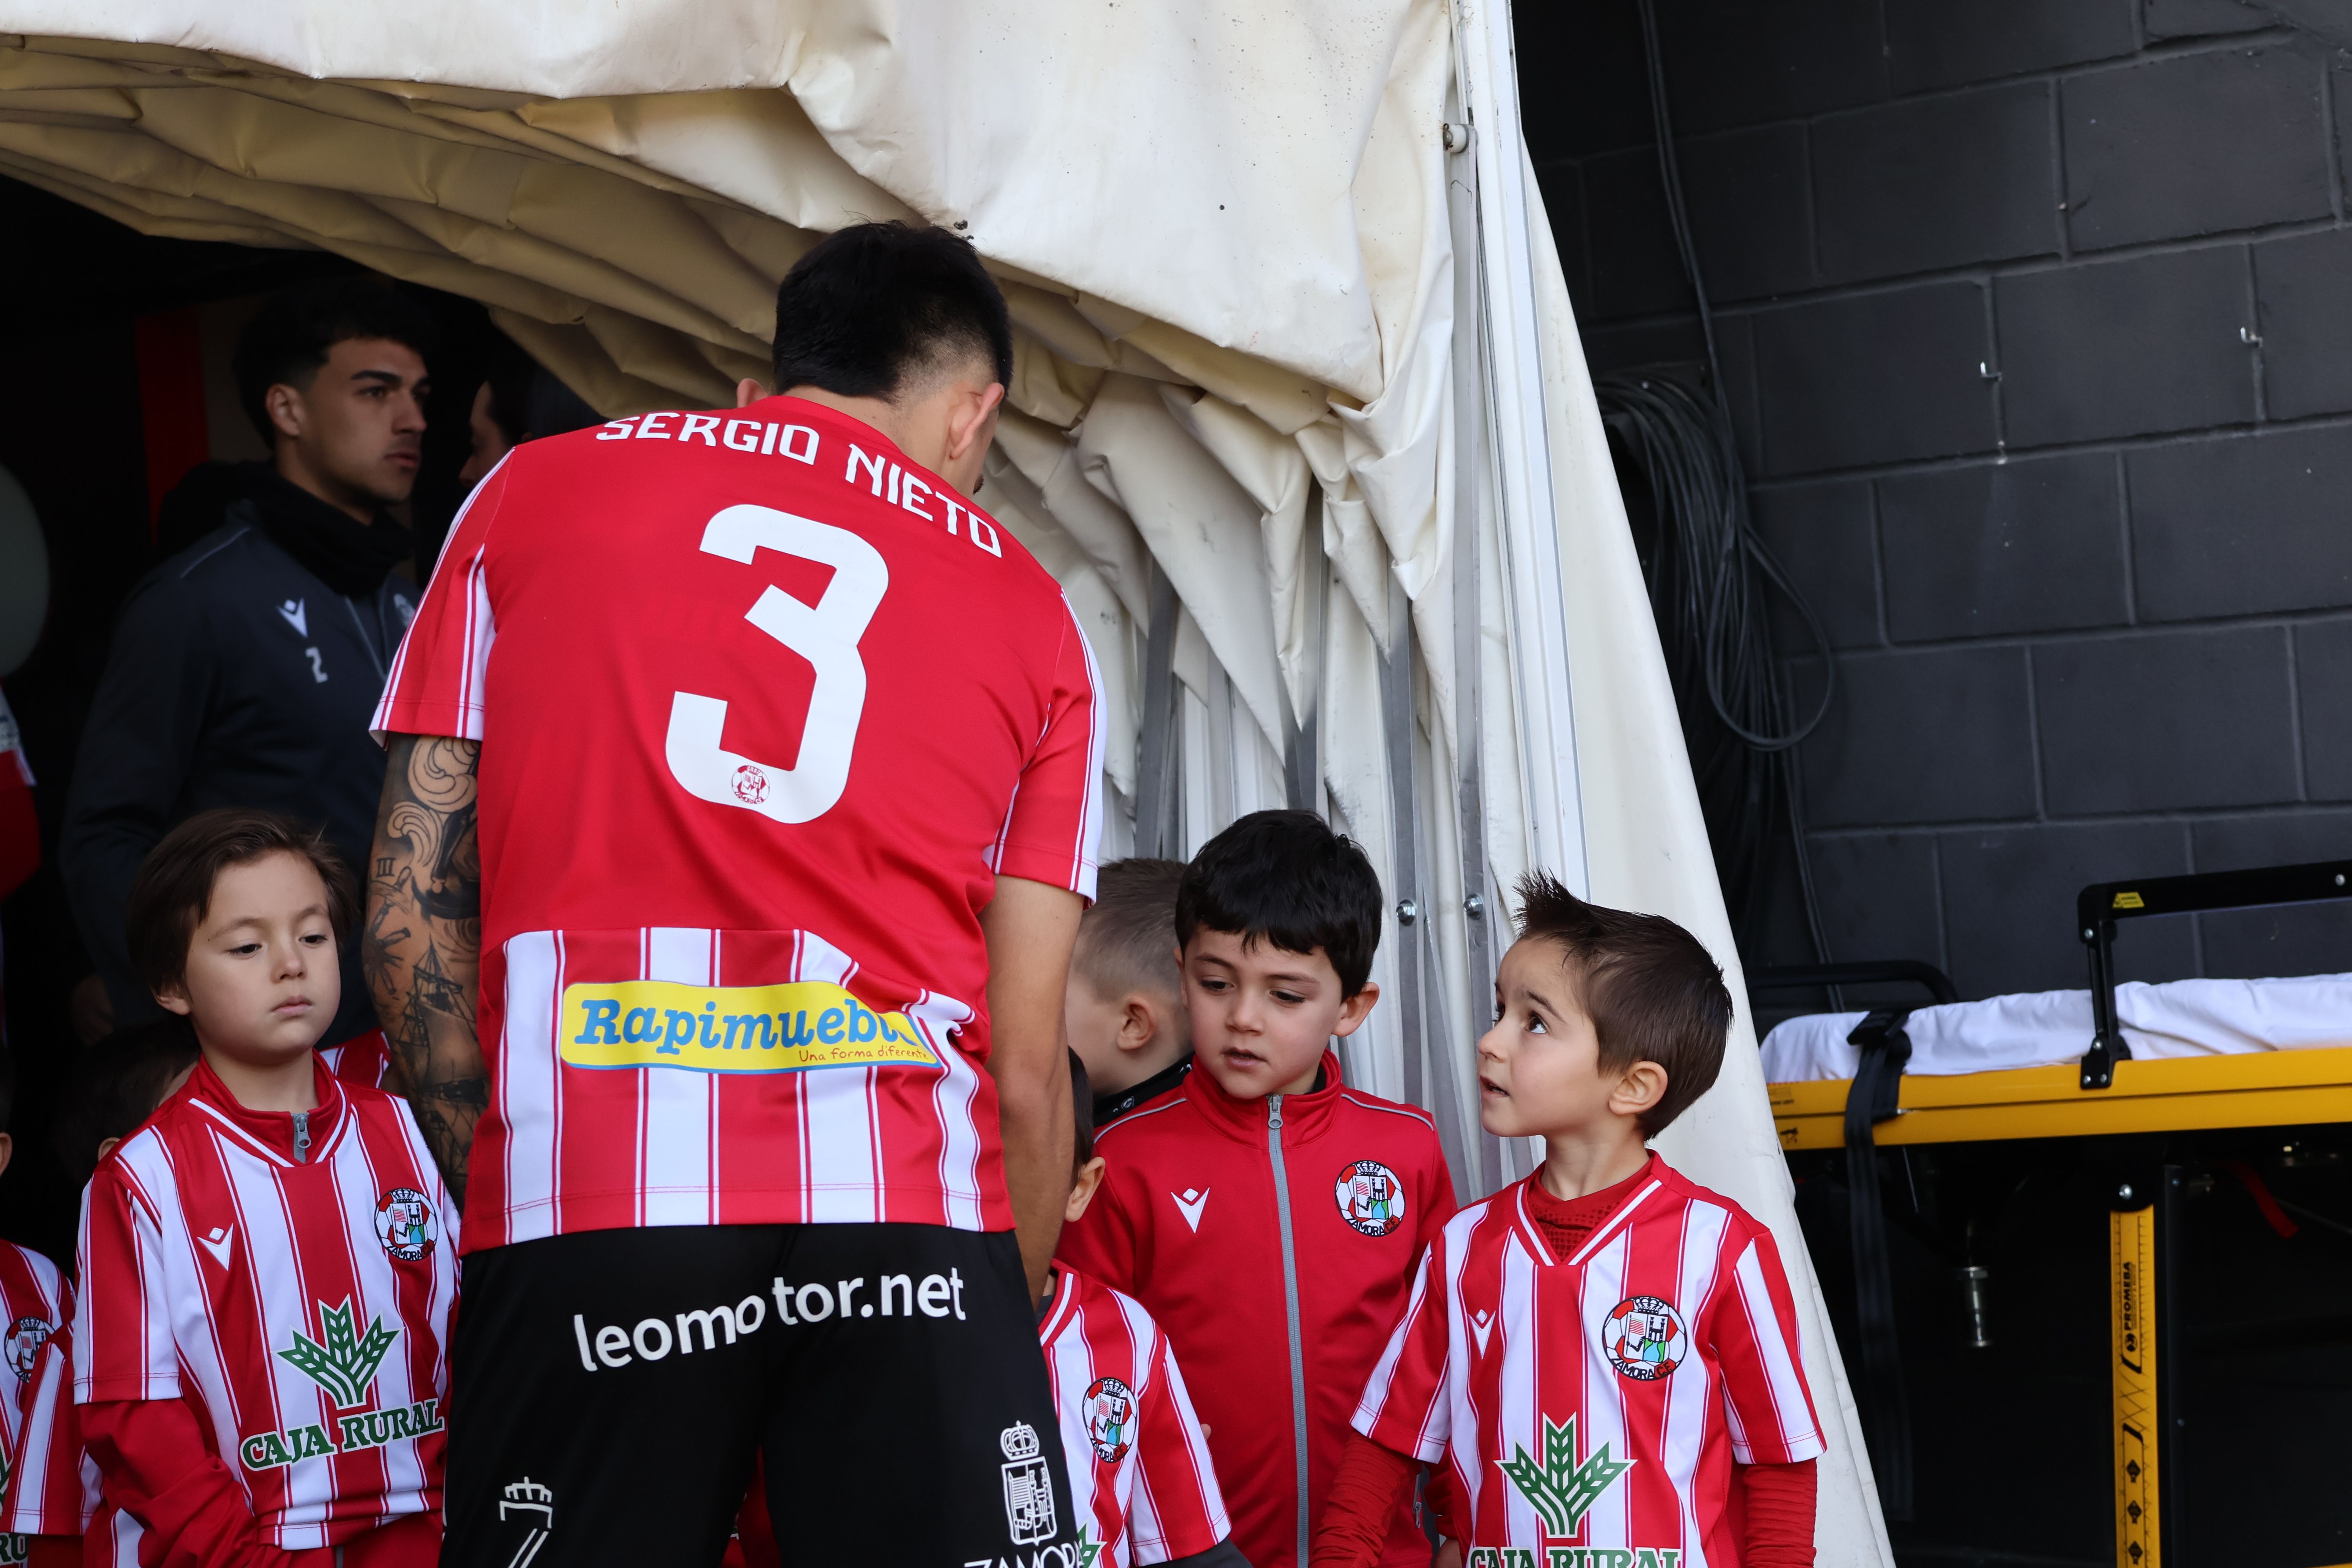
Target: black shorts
[609,1389]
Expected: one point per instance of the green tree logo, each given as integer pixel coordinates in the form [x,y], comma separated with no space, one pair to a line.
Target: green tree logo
[342,1362]
[1560,1490]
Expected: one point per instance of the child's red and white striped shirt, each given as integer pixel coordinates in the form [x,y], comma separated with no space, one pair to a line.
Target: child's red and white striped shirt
[52,1486]
[1598,1400]
[291,1279]
[1139,1467]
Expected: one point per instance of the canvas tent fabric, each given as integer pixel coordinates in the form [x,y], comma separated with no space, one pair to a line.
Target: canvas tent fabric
[1299,419]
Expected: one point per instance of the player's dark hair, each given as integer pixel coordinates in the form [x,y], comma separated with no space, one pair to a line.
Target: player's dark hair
[173,889]
[7,1086]
[1127,941]
[288,339]
[878,307]
[526,402]
[1652,990]
[117,1084]
[1284,877]
[1082,1100]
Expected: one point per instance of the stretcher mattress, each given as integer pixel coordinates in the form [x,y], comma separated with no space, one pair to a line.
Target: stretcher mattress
[2175,1018]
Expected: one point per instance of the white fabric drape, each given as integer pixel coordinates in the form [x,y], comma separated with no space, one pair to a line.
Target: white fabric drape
[1235,247]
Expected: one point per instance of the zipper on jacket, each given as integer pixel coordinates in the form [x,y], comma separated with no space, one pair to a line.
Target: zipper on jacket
[303,1140]
[1290,1311]
[366,641]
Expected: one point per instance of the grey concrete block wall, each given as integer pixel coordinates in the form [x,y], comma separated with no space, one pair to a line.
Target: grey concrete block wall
[2036,318]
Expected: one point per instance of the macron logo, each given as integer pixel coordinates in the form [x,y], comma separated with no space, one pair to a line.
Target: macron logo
[1190,1204]
[218,1243]
[1482,1324]
[297,616]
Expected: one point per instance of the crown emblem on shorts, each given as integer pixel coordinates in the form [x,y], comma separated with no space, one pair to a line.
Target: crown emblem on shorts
[1019,1441]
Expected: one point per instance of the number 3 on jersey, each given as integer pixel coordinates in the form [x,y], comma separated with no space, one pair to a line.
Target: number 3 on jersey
[825,634]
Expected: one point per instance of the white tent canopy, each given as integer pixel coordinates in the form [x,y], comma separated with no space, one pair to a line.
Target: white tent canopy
[1300,418]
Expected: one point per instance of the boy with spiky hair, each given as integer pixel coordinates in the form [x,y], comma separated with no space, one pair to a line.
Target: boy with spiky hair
[1604,1356]
[260,1345]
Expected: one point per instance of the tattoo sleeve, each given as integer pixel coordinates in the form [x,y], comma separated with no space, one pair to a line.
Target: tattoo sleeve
[422,949]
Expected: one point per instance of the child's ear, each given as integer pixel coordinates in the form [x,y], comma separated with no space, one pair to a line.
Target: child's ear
[106,1147]
[7,1148]
[175,1001]
[1138,1021]
[1357,1008]
[1643,1085]
[1083,1187]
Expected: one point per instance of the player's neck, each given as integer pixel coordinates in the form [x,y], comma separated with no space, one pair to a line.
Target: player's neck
[288,1086]
[1577,1165]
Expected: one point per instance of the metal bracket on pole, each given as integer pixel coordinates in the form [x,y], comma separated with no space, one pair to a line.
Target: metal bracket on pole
[1155,768]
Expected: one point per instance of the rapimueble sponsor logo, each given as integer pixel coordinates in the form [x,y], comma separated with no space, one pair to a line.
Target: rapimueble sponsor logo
[343,1362]
[1371,1199]
[1575,1557]
[794,1026]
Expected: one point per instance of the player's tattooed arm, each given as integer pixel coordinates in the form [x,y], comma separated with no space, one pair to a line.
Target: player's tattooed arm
[422,949]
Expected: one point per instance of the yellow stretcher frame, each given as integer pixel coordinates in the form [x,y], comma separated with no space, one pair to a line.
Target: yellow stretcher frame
[2258,1089]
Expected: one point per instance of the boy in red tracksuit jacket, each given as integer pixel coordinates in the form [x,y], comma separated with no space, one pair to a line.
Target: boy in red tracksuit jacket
[1268,1216]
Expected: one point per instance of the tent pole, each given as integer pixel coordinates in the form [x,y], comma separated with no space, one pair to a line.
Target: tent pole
[1303,732]
[1479,908]
[1155,772]
[1396,724]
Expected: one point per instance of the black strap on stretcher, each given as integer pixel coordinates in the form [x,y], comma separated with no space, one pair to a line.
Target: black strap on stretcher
[1885,1401]
[2098,907]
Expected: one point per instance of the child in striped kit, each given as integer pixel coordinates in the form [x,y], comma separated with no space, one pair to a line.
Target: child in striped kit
[1604,1357]
[1139,1467]
[52,1493]
[260,1347]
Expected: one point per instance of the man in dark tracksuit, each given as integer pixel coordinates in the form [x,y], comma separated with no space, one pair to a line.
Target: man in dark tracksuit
[245,670]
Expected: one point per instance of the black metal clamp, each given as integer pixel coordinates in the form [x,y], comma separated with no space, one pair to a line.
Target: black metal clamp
[2098,907]
[1874,1096]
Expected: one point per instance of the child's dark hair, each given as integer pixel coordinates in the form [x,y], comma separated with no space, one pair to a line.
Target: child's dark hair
[1082,1100]
[117,1085]
[1128,939]
[1284,877]
[1652,990]
[173,889]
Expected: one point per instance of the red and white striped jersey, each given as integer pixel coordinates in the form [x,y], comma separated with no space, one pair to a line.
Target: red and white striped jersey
[52,1481]
[296,1295]
[38,1302]
[1138,1464]
[1598,1400]
[765,710]
[365,1059]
